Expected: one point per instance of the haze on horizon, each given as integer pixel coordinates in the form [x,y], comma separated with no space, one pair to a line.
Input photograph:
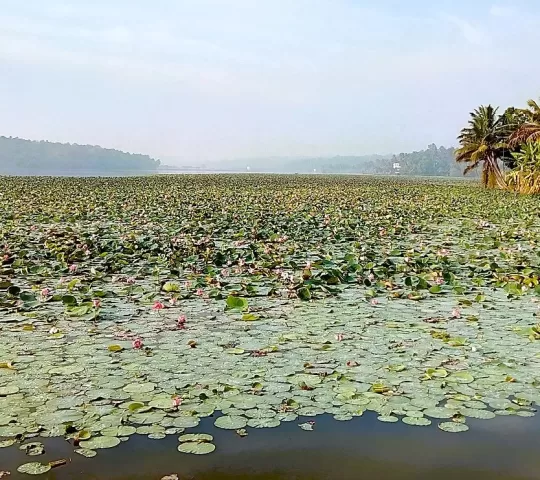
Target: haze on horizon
[204,80]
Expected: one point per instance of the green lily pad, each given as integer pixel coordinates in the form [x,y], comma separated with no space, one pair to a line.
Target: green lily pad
[232,422]
[196,437]
[196,448]
[33,449]
[9,390]
[453,427]
[186,422]
[34,468]
[140,387]
[85,452]
[96,443]
[263,423]
[387,419]
[416,421]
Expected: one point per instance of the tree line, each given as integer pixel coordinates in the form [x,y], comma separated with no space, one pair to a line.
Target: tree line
[504,147]
[19,156]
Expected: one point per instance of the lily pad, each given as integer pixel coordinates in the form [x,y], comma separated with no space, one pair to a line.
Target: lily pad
[34,468]
[196,448]
[416,421]
[231,422]
[96,443]
[453,427]
[196,437]
[85,452]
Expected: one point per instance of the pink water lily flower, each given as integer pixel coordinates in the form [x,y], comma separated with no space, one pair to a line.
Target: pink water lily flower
[439,281]
[199,292]
[45,292]
[181,322]
[137,343]
[374,302]
[96,303]
[158,305]
[177,401]
[456,313]
[340,337]
[73,268]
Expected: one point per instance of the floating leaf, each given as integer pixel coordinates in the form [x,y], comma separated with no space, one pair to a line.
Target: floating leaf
[416,421]
[115,348]
[453,427]
[33,449]
[34,468]
[196,437]
[231,422]
[196,448]
[96,443]
[236,303]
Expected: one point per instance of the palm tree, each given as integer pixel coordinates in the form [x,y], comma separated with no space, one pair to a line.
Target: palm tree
[529,130]
[484,142]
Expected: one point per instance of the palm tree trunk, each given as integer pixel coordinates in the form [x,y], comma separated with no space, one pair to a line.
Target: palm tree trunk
[500,180]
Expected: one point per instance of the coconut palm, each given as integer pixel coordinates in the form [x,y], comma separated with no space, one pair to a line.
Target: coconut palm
[529,130]
[484,143]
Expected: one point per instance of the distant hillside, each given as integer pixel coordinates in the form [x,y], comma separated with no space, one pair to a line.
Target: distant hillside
[23,157]
[434,161]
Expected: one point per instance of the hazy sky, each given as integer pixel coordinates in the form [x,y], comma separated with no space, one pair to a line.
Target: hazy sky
[199,80]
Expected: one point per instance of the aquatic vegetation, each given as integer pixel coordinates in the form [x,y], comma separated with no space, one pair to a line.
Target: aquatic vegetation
[258,300]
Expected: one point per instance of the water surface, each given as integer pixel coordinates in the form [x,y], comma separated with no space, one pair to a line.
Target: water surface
[504,448]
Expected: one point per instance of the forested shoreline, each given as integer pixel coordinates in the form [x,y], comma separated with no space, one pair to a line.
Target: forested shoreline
[19,156]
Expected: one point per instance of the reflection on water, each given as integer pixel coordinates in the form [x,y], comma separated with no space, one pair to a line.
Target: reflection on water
[503,448]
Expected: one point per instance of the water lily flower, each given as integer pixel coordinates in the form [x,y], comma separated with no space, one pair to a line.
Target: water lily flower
[340,337]
[371,277]
[199,292]
[137,343]
[158,305]
[173,301]
[439,281]
[374,302]
[177,401]
[73,268]
[130,280]
[96,303]
[456,313]
[181,322]
[53,331]
[352,363]
[443,252]
[45,292]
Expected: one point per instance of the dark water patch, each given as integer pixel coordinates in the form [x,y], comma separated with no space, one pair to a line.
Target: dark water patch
[504,448]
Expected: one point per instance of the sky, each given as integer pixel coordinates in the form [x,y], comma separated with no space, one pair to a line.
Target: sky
[196,81]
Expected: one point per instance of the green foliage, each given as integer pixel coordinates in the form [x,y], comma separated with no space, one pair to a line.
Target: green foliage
[528,128]
[510,140]
[483,143]
[525,178]
[434,161]
[18,156]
